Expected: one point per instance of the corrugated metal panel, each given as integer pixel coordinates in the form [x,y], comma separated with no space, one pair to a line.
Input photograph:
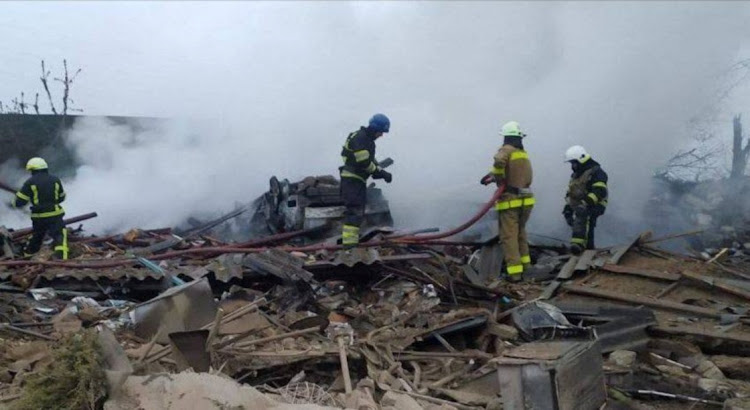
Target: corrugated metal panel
[280,264]
[227,267]
[349,258]
[364,256]
[92,274]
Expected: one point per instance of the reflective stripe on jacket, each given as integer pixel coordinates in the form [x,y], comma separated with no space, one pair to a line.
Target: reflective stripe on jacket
[513,166]
[358,154]
[589,186]
[44,192]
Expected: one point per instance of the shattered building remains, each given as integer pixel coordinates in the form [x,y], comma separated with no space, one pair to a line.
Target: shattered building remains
[261,308]
[406,321]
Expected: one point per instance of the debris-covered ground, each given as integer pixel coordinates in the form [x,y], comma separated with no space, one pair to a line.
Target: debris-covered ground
[150,320]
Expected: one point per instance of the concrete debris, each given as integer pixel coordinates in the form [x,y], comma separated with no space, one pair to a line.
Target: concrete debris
[734,367]
[200,391]
[737,404]
[396,401]
[623,358]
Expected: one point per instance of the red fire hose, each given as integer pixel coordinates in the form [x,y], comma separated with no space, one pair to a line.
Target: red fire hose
[470,222]
[235,248]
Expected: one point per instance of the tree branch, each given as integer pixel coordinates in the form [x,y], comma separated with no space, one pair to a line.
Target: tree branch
[67,81]
[36,104]
[44,77]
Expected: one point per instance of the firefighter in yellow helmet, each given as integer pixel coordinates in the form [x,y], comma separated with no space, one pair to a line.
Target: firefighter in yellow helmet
[512,168]
[45,193]
[586,198]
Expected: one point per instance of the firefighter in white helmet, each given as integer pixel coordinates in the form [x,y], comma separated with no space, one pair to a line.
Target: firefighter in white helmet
[586,198]
[512,168]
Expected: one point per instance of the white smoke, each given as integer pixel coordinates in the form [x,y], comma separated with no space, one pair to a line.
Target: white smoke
[622,79]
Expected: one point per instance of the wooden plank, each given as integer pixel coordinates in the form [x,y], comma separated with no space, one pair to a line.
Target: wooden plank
[674,236]
[718,284]
[687,331]
[718,255]
[567,270]
[640,300]
[585,260]
[620,251]
[550,290]
[734,272]
[646,273]
[668,289]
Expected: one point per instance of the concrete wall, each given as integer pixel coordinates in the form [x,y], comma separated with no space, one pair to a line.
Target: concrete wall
[30,135]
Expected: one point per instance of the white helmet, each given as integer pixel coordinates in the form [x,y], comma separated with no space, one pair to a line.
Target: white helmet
[577,153]
[512,129]
[35,164]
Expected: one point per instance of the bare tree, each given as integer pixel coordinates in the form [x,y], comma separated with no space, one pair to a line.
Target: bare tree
[740,155]
[67,81]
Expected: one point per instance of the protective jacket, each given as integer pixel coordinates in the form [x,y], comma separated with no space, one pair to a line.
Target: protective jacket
[513,167]
[358,155]
[44,192]
[588,186]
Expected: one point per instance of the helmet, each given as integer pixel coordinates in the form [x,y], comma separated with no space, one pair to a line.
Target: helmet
[577,153]
[380,123]
[512,129]
[36,164]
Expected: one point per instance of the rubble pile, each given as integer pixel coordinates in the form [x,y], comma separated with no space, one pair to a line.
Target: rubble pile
[190,321]
[716,207]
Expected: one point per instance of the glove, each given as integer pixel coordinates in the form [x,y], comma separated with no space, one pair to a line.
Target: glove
[387,177]
[568,214]
[382,174]
[487,179]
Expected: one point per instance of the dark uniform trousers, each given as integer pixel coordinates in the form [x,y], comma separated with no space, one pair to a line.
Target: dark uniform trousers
[55,227]
[354,195]
[583,227]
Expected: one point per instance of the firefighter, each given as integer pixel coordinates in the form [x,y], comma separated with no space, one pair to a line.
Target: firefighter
[358,155]
[586,198]
[45,193]
[512,168]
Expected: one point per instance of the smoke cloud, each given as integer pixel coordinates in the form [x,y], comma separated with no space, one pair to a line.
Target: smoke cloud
[261,89]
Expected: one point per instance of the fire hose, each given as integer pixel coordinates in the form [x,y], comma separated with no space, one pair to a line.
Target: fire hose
[461,228]
[408,240]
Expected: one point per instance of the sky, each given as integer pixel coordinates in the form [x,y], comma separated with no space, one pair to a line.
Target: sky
[257,89]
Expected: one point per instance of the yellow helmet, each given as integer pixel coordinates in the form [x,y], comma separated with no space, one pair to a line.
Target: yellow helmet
[36,164]
[512,129]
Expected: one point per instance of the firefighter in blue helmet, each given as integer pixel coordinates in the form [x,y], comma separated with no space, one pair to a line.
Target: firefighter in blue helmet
[358,155]
[44,192]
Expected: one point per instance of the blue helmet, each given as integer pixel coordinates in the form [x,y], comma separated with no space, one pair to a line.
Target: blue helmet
[380,123]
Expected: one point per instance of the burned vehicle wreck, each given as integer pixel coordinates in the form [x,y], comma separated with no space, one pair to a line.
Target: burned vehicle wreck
[313,203]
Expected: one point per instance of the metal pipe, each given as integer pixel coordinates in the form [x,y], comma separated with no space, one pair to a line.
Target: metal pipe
[27,231]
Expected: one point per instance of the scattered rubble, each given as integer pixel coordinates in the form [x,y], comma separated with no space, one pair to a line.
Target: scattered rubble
[406,321]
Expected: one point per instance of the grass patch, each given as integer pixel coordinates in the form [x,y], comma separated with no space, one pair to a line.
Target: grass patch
[75,379]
